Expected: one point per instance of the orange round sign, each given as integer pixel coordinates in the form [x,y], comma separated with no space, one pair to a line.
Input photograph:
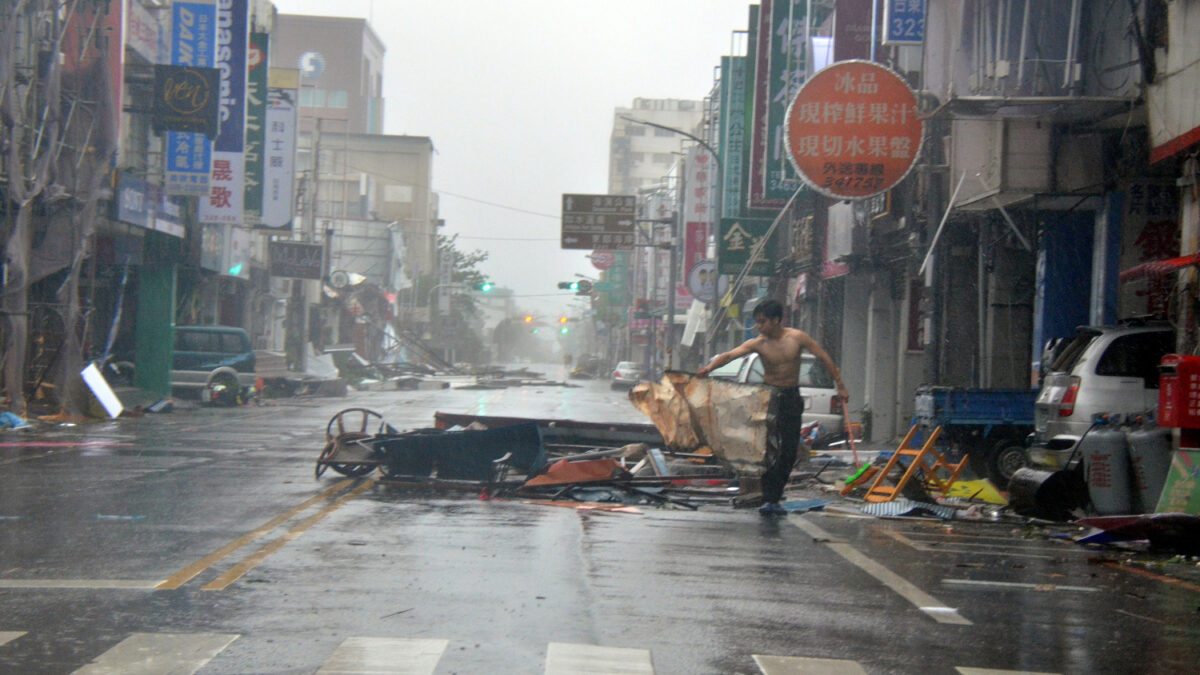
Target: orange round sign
[853,130]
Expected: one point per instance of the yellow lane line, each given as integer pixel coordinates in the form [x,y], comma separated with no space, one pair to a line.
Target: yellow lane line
[188,573]
[252,561]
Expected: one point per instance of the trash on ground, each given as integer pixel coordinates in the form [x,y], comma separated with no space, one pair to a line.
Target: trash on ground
[10,420]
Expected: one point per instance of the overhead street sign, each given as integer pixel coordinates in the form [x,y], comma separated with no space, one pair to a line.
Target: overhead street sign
[598,221]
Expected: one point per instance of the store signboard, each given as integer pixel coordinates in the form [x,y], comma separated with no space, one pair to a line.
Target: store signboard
[226,183]
[193,44]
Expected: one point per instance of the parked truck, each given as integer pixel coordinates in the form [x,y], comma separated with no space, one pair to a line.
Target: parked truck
[990,426]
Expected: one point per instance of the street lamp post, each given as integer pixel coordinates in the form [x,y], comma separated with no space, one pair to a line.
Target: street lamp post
[677,227]
[446,355]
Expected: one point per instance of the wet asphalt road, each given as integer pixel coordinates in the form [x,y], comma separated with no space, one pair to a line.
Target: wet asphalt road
[268,570]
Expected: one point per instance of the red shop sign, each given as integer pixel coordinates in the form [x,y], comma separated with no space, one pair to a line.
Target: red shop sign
[853,130]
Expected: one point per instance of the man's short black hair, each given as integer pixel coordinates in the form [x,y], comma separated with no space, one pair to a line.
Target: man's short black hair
[769,309]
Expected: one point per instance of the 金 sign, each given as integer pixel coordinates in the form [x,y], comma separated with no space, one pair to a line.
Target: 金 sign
[853,130]
[736,239]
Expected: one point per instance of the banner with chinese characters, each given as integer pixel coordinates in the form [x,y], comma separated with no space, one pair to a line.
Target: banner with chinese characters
[226,183]
[732,118]
[256,125]
[699,177]
[736,238]
[1150,232]
[193,43]
[279,150]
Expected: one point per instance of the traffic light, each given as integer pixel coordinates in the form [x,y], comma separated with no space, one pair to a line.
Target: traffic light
[569,285]
[484,286]
[528,318]
[562,319]
[564,330]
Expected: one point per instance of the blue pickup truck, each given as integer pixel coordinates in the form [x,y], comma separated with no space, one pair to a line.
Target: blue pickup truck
[990,426]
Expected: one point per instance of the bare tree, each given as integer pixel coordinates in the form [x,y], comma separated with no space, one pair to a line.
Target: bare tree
[58,136]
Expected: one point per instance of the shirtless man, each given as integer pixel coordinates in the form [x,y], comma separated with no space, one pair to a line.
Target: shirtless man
[779,348]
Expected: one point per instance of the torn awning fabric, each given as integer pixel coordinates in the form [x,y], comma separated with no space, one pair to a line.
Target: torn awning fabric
[729,418]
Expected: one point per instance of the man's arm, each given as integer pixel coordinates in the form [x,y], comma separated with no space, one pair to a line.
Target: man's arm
[822,356]
[721,359]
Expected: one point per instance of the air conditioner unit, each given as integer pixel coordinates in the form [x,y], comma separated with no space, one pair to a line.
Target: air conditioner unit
[1000,157]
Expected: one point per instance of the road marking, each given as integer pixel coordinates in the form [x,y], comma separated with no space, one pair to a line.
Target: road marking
[237,571]
[1166,580]
[159,654]
[7,636]
[118,584]
[385,656]
[1017,585]
[906,589]
[188,573]
[918,546]
[795,665]
[965,670]
[564,658]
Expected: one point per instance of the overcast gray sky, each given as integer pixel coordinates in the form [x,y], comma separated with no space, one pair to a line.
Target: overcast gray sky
[518,96]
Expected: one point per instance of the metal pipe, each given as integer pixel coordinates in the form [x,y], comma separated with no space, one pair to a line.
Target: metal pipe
[1024,43]
[1069,64]
[945,216]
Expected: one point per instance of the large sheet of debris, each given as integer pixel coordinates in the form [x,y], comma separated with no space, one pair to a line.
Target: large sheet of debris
[728,418]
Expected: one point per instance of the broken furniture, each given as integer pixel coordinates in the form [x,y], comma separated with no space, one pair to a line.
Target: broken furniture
[938,476]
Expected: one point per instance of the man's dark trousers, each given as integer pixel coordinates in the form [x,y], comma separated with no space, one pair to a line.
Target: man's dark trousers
[786,408]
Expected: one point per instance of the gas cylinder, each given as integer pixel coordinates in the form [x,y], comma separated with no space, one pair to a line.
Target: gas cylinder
[1106,469]
[1149,459]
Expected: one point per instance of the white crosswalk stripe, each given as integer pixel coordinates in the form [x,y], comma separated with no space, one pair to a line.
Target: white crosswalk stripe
[385,656]
[186,653]
[7,636]
[563,658]
[797,665]
[159,654]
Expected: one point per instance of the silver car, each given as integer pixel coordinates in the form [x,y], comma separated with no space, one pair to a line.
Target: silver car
[821,402]
[627,374]
[1102,370]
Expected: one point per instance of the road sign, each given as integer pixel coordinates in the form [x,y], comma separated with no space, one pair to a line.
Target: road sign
[602,260]
[853,130]
[598,221]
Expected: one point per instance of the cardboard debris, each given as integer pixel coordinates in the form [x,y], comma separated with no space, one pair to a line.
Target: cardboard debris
[564,472]
[727,417]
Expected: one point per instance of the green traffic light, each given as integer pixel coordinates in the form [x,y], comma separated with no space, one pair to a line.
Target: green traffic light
[564,330]
[485,286]
[574,285]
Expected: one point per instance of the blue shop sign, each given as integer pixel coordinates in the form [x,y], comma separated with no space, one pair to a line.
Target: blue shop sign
[133,202]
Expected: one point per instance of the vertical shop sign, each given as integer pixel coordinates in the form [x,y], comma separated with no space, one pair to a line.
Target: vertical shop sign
[226,183]
[193,43]
[1150,232]
[852,30]
[279,149]
[256,125]
[697,216]
[757,110]
[733,132]
[788,63]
